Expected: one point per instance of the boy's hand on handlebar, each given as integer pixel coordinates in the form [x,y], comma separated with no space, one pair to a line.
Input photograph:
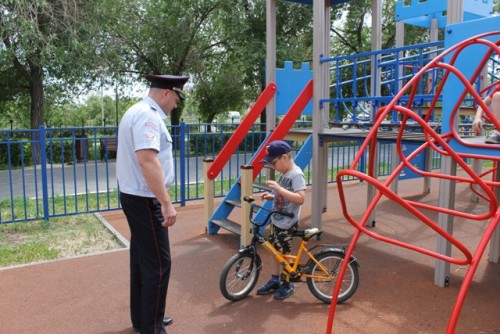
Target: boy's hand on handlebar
[266,195]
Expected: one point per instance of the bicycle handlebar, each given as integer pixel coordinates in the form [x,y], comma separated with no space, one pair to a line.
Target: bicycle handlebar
[251,199]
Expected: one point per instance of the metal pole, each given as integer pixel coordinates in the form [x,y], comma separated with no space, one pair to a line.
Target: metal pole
[208,190]
[446,187]
[43,168]
[375,82]
[321,22]
[182,157]
[116,105]
[246,172]
[271,61]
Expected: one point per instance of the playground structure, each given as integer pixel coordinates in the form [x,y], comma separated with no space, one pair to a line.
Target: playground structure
[445,77]
[451,147]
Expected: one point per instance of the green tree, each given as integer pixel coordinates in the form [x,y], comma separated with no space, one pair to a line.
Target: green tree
[44,43]
[245,31]
[161,37]
[220,91]
[353,34]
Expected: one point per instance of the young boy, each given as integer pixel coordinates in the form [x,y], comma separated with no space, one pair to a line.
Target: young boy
[493,102]
[288,196]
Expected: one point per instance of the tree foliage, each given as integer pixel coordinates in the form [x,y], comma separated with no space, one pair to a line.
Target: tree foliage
[351,28]
[52,52]
[162,37]
[43,43]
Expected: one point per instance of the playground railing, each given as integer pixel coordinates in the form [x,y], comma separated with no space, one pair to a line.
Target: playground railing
[351,79]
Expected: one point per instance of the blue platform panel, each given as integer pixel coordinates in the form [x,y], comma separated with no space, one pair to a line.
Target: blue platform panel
[420,13]
[467,62]
[418,162]
[290,83]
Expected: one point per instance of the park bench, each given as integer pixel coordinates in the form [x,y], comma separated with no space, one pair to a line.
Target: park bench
[107,145]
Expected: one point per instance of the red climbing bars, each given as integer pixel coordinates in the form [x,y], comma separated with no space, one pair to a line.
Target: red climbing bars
[441,144]
[241,131]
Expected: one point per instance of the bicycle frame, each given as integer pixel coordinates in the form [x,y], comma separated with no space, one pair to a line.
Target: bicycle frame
[241,272]
[285,259]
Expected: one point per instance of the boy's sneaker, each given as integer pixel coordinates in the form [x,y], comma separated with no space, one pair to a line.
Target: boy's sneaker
[285,290]
[270,287]
[493,138]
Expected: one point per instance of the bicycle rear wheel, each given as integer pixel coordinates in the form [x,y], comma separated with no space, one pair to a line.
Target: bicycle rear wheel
[323,288]
[239,276]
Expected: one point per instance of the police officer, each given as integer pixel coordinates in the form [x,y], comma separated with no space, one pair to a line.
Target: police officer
[145,171]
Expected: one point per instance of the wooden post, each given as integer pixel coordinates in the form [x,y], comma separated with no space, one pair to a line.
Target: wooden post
[246,190]
[208,190]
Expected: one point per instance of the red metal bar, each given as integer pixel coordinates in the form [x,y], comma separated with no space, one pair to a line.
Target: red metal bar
[241,131]
[284,125]
[279,132]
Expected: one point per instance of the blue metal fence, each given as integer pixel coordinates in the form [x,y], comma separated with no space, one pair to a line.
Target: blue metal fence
[53,172]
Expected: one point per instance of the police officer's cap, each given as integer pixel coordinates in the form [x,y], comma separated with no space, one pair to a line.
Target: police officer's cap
[173,82]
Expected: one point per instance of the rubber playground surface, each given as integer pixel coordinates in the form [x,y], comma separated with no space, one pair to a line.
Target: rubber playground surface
[396,293]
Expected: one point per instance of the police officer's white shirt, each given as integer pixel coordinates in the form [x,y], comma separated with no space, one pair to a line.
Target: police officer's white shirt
[142,127]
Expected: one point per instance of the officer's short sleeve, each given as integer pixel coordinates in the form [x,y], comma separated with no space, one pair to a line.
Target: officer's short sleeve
[146,131]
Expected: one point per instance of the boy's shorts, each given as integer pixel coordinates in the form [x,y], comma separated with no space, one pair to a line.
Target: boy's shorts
[282,239]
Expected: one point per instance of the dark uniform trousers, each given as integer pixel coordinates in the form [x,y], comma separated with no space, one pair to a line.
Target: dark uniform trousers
[150,262]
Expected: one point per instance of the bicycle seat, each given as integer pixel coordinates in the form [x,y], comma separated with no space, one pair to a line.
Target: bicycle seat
[307,234]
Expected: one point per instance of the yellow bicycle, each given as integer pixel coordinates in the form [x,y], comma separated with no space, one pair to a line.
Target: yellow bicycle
[241,272]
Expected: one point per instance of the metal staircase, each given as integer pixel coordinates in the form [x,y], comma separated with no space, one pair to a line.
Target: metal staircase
[233,198]
[219,219]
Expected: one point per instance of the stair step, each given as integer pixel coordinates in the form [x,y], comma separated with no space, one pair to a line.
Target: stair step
[234,202]
[229,225]
[262,187]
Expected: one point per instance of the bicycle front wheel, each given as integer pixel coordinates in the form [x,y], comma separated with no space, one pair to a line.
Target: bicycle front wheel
[323,284]
[239,276]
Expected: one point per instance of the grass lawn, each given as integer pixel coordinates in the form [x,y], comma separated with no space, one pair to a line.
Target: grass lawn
[34,241]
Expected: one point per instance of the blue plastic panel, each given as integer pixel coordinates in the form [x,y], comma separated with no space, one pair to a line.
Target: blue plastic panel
[467,62]
[418,8]
[421,12]
[478,8]
[290,83]
[425,21]
[418,162]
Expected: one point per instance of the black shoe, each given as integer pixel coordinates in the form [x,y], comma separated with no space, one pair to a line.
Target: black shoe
[166,322]
[270,287]
[285,290]
[493,138]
